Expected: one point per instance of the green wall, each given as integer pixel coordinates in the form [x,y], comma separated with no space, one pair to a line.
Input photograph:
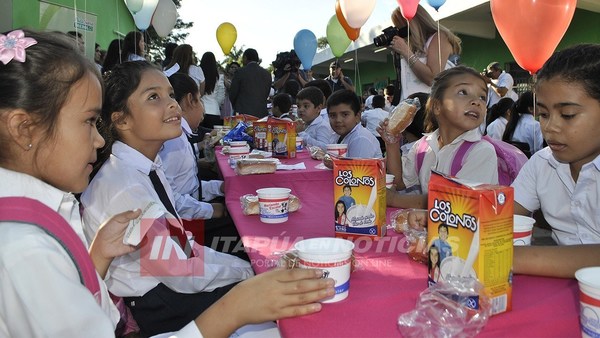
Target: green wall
[112,16]
[479,52]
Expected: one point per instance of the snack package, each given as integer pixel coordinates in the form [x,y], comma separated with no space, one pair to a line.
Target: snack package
[458,307]
[359,198]
[470,234]
[250,204]
[251,166]
[400,118]
[238,133]
[316,153]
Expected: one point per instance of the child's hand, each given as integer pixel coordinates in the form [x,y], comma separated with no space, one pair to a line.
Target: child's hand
[281,293]
[108,242]
[109,238]
[417,219]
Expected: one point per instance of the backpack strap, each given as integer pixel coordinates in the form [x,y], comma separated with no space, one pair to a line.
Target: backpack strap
[457,161]
[421,151]
[27,210]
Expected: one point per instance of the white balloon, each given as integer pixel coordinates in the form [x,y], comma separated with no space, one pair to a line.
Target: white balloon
[357,12]
[134,6]
[144,16]
[164,18]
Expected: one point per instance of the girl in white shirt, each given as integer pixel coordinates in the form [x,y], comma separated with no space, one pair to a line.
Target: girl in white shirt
[214,91]
[50,100]
[562,179]
[501,113]
[457,104]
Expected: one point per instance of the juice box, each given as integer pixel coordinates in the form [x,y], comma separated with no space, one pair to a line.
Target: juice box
[262,140]
[283,137]
[359,197]
[470,225]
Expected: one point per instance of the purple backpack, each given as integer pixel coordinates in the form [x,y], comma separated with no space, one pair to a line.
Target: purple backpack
[510,158]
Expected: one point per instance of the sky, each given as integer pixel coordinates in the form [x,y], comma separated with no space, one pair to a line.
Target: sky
[269,26]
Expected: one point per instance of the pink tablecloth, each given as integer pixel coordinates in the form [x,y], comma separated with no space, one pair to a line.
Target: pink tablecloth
[387,282]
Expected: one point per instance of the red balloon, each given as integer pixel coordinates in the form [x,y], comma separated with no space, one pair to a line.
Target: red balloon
[408,8]
[353,33]
[532,28]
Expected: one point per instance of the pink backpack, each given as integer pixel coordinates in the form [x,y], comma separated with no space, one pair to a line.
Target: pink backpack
[27,210]
[510,158]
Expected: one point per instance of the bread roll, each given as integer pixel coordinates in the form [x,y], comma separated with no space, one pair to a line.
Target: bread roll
[250,204]
[401,117]
[251,166]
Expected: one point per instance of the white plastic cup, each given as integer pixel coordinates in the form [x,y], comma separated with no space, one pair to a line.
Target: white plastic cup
[274,204]
[389,180]
[589,300]
[299,143]
[238,153]
[523,229]
[338,150]
[334,256]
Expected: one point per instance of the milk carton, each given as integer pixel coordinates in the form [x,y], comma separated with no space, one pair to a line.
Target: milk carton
[283,137]
[469,233]
[262,140]
[359,197]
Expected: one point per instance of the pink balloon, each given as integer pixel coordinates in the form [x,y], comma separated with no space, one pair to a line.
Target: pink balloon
[408,8]
[532,28]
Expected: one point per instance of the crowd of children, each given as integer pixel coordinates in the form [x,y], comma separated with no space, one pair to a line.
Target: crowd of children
[143,161]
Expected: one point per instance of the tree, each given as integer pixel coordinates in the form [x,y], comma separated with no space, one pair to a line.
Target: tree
[155,43]
[234,55]
[322,43]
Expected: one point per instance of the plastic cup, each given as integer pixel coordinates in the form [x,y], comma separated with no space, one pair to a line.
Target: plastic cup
[589,300]
[389,180]
[274,204]
[338,150]
[299,143]
[334,256]
[523,229]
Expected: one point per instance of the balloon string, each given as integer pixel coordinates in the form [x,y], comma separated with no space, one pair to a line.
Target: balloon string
[534,80]
[356,70]
[118,30]
[439,45]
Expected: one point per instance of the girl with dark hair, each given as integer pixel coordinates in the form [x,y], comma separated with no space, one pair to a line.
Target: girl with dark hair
[185,58]
[113,55]
[523,130]
[134,47]
[500,114]
[139,115]
[214,90]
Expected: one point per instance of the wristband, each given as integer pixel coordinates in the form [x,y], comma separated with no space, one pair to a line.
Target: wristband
[412,60]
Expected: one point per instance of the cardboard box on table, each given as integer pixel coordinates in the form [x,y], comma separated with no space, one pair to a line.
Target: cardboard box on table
[479,223]
[359,184]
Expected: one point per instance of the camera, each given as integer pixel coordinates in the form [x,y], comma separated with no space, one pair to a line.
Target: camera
[287,58]
[388,34]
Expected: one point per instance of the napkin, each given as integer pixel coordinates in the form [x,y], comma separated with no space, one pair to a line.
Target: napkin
[297,166]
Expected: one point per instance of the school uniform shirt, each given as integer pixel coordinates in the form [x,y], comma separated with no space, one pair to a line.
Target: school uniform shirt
[373,117]
[570,207]
[180,168]
[496,129]
[528,131]
[504,80]
[480,164]
[361,143]
[40,289]
[212,102]
[319,133]
[197,74]
[123,184]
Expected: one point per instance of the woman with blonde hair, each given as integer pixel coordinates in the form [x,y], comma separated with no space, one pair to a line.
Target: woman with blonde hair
[429,52]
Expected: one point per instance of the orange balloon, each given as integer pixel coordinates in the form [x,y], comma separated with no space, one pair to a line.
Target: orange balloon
[532,28]
[353,33]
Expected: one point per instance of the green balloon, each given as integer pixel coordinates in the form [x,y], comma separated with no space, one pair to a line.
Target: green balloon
[336,37]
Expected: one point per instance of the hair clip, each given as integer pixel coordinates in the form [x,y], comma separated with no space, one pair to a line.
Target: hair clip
[13,45]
